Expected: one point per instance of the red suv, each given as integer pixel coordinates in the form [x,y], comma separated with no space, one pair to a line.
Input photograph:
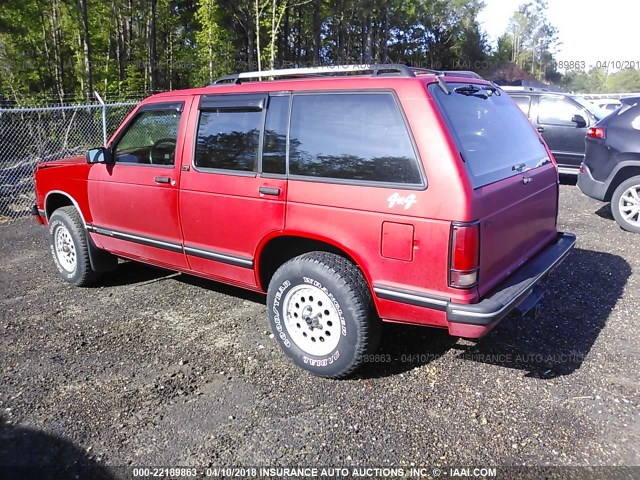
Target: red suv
[348,194]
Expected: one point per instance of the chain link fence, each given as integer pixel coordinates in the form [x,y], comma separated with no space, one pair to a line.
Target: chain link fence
[32,135]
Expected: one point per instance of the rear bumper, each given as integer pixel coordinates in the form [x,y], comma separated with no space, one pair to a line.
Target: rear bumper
[590,186]
[38,215]
[474,320]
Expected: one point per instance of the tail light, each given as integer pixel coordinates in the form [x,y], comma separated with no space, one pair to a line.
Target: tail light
[464,262]
[597,132]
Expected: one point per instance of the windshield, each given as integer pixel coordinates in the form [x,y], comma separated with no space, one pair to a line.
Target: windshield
[595,110]
[495,139]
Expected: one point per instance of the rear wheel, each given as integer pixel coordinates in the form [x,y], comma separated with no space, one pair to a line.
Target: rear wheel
[625,204]
[322,314]
[69,247]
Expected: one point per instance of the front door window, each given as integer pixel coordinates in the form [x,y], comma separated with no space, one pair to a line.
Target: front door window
[150,140]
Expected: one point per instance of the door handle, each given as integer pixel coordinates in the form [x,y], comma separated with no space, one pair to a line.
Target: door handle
[540,129]
[163,180]
[269,191]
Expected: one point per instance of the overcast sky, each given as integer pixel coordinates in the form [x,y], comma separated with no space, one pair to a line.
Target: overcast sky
[589,30]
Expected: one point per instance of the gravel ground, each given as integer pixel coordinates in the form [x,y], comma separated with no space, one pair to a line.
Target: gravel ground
[155,368]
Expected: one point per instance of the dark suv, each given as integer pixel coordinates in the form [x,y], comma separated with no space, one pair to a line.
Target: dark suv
[562,120]
[611,168]
[346,194]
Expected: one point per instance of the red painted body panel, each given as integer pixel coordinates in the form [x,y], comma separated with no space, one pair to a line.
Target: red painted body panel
[516,221]
[226,215]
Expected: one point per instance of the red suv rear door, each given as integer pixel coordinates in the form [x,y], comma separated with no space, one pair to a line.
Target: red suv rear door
[233,186]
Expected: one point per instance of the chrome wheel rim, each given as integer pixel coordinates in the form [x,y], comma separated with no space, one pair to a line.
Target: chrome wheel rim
[65,249]
[312,320]
[629,205]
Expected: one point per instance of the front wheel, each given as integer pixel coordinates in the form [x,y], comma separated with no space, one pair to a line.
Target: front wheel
[625,204]
[322,314]
[69,247]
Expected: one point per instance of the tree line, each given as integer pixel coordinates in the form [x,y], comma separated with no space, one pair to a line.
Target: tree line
[62,50]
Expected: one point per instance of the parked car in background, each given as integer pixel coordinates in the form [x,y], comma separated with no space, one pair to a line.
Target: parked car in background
[607,104]
[611,168]
[562,119]
[629,100]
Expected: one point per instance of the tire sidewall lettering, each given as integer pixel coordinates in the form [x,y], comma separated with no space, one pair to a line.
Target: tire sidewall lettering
[277,315]
[53,226]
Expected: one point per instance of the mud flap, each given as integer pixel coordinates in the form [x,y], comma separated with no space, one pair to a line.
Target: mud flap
[101,261]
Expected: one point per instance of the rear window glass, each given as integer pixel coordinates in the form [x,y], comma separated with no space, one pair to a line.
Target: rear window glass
[495,139]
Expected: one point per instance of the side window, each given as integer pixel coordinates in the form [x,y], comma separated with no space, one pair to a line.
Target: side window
[274,150]
[228,139]
[524,103]
[557,111]
[150,140]
[355,136]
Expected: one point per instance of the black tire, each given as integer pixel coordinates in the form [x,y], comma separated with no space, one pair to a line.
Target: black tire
[617,204]
[347,313]
[70,251]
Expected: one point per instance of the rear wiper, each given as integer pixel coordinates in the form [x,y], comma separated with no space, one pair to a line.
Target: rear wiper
[471,90]
[483,91]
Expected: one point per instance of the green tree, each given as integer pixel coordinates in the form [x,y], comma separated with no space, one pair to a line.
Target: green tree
[532,40]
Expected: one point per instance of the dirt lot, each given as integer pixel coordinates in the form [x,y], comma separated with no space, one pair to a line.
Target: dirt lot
[154,368]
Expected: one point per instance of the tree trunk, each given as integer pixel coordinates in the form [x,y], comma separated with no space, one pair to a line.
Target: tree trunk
[274,34]
[317,24]
[257,20]
[88,74]
[56,35]
[120,43]
[128,30]
[384,37]
[153,53]
[368,41]
[298,48]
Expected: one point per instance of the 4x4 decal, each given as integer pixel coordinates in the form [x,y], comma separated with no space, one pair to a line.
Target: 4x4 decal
[397,199]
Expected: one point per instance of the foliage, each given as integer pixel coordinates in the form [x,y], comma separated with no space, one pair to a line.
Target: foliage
[61,50]
[597,80]
[133,47]
[529,42]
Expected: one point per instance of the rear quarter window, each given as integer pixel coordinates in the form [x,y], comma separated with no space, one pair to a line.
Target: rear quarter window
[359,137]
[494,139]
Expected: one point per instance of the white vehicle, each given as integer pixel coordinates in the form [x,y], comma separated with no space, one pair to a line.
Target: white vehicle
[607,104]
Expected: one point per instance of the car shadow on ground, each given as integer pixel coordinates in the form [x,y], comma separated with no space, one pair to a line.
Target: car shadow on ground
[29,454]
[566,179]
[133,273]
[605,212]
[580,296]
[224,289]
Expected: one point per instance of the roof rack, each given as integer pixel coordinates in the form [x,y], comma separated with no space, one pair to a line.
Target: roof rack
[461,73]
[393,69]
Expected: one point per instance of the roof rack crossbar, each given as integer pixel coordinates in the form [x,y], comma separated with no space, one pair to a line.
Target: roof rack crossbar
[375,69]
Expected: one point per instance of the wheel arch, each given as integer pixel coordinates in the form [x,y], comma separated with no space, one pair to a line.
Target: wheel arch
[623,174]
[56,199]
[276,250]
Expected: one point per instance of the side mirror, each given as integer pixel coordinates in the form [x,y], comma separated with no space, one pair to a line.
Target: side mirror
[98,155]
[579,121]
